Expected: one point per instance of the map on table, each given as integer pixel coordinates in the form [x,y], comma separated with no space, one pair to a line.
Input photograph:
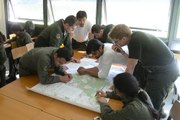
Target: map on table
[81,90]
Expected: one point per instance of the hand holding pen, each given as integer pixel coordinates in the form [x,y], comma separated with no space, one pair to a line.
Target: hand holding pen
[100,96]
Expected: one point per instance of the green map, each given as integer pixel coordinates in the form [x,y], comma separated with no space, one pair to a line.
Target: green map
[81,90]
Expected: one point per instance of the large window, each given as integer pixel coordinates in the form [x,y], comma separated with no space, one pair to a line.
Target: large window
[178,32]
[23,10]
[150,15]
[60,9]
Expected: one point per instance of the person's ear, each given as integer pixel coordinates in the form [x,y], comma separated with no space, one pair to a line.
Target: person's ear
[55,55]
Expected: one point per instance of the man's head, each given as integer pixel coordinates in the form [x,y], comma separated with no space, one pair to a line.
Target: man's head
[81,17]
[17,28]
[97,30]
[70,23]
[120,34]
[95,47]
[61,56]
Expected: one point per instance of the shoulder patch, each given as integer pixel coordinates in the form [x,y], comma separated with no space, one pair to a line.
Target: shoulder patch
[45,68]
[58,36]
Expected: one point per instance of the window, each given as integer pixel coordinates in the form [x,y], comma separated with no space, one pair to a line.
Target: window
[146,15]
[178,31]
[60,9]
[23,10]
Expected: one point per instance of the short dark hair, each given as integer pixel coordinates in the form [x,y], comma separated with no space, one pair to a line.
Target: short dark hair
[96,28]
[127,84]
[81,14]
[64,53]
[17,27]
[93,45]
[70,20]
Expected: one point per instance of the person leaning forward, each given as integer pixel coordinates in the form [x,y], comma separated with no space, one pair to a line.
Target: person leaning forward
[150,61]
[57,34]
[42,60]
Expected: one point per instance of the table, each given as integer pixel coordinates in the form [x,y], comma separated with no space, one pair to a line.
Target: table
[18,103]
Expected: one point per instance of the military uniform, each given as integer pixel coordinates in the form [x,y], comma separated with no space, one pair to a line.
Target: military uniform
[39,61]
[3,58]
[133,109]
[54,36]
[22,39]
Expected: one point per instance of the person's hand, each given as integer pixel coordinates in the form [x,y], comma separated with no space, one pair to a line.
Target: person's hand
[81,70]
[101,99]
[66,78]
[101,93]
[117,48]
[90,36]
[75,60]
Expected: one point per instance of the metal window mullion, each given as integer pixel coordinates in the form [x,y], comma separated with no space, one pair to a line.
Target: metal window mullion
[45,16]
[173,22]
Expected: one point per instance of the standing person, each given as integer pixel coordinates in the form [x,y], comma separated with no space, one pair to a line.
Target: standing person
[57,34]
[106,57]
[137,104]
[100,32]
[150,60]
[42,60]
[82,31]
[3,58]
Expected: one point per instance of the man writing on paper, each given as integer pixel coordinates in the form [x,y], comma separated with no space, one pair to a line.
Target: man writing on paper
[41,60]
[106,57]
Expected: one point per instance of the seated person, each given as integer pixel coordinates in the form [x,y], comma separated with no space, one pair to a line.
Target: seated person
[137,103]
[22,38]
[29,27]
[81,32]
[40,60]
[100,32]
[3,58]
[106,57]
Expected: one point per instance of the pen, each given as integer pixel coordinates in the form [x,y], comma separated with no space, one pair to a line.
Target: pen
[99,92]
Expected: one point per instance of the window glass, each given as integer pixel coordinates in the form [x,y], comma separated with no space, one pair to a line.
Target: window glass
[178,31]
[60,9]
[149,15]
[23,10]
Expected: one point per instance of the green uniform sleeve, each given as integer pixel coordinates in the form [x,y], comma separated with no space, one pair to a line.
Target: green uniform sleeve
[108,114]
[112,95]
[43,75]
[27,38]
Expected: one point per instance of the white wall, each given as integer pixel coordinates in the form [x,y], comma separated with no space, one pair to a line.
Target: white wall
[2,18]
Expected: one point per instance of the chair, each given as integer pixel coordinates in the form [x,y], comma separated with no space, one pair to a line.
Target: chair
[16,54]
[174,112]
[30,46]
[13,44]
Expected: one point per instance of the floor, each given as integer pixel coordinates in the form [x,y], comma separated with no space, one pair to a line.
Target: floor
[168,100]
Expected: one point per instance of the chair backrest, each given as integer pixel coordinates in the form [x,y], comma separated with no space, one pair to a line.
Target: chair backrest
[13,44]
[30,46]
[174,112]
[18,52]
